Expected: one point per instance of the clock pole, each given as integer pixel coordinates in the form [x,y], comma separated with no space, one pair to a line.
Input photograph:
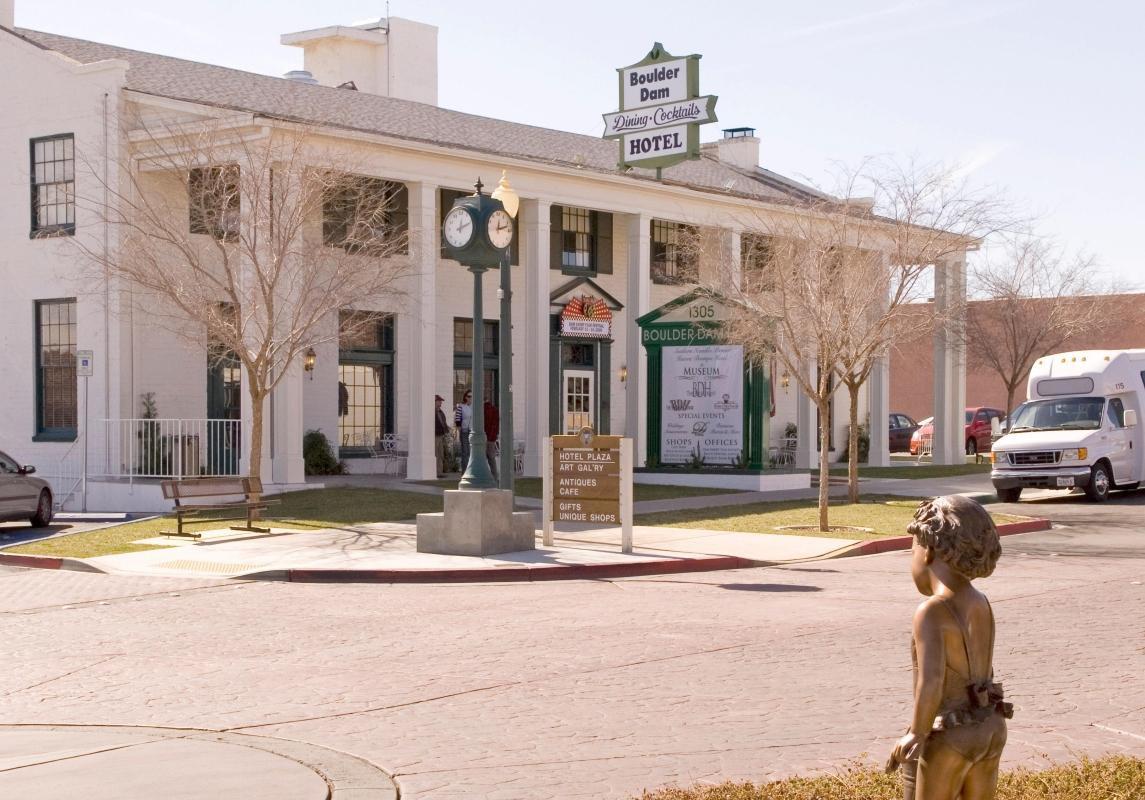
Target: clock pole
[509,199]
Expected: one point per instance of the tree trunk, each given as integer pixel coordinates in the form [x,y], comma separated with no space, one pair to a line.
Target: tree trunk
[255,462]
[853,449]
[824,475]
[1009,401]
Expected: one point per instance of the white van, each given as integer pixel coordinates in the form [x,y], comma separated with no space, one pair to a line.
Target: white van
[1078,429]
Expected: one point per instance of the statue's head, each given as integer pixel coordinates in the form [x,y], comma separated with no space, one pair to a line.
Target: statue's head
[960,532]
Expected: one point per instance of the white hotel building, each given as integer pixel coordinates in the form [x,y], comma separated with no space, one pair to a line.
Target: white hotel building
[585,229]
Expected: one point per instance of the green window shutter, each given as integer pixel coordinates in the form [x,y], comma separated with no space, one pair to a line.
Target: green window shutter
[556,229]
[602,227]
[604,381]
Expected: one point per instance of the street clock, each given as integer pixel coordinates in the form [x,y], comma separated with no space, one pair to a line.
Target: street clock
[478,231]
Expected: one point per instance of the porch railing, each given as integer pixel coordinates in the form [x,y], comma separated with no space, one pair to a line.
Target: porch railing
[169,448]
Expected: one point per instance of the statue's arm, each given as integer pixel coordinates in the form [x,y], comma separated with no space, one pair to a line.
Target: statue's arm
[931,652]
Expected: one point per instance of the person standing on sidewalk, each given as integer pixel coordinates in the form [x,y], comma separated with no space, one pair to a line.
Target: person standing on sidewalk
[463,419]
[492,430]
[440,434]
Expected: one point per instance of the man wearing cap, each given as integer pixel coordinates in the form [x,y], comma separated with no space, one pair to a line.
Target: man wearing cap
[440,434]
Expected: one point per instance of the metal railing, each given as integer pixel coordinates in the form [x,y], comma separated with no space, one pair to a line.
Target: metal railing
[170,448]
[67,477]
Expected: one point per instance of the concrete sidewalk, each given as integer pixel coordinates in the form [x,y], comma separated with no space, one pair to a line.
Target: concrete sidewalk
[109,762]
[387,552]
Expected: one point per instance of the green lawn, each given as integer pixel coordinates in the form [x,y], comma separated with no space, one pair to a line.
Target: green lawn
[884,515]
[531,487]
[313,508]
[917,472]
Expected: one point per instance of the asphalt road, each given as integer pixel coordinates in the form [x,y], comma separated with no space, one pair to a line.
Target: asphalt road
[588,689]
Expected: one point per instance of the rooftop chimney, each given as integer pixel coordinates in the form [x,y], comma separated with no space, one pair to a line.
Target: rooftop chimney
[8,13]
[739,148]
[392,57]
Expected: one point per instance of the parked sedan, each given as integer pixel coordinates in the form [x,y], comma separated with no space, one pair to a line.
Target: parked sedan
[22,496]
[976,435]
[901,429]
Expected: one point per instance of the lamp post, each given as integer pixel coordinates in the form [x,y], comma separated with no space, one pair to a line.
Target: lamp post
[509,199]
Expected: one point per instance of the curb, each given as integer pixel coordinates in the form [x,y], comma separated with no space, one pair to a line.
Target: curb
[47,562]
[525,574]
[906,542]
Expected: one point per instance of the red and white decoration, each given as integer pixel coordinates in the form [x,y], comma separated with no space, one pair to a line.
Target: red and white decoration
[586,316]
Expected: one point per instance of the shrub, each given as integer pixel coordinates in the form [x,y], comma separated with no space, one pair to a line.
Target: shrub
[1088,779]
[319,455]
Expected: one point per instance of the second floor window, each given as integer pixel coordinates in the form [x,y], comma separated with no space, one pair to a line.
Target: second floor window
[366,215]
[213,201]
[53,185]
[581,241]
[756,257]
[673,252]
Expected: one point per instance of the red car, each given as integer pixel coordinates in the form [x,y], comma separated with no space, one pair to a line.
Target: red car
[976,435]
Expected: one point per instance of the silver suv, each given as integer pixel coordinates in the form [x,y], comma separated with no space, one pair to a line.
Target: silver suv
[22,496]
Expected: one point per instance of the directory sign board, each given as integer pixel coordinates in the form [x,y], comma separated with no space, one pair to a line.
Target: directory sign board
[588,479]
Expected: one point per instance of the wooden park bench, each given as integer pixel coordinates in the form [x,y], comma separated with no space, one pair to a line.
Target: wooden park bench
[216,494]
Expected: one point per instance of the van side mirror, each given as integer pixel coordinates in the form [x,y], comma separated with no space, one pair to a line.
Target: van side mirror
[1130,418]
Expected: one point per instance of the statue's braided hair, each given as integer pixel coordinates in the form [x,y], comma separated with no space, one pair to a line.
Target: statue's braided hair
[960,531]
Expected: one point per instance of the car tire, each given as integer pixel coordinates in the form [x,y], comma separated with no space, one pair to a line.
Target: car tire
[1100,482]
[43,516]
[971,447]
[1010,495]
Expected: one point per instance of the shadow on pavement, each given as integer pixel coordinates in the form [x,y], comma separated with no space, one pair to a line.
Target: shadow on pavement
[769,587]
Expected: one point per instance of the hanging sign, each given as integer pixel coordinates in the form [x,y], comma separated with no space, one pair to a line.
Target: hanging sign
[661,110]
[702,412]
[587,317]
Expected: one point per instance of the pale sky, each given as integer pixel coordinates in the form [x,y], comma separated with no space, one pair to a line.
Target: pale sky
[1042,98]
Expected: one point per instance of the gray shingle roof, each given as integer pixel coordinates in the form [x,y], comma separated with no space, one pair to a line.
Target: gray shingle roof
[284,99]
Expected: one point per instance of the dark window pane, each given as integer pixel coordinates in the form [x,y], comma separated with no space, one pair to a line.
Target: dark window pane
[53,189]
[56,367]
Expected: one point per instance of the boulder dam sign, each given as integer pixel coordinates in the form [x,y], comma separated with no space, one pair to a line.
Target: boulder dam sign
[661,111]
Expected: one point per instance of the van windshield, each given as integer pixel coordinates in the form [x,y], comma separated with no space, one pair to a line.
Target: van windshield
[1066,413]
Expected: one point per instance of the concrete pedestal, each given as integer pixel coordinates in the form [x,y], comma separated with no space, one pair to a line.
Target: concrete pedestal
[476,523]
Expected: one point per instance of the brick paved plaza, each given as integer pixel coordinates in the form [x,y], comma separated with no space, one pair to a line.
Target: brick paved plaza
[588,689]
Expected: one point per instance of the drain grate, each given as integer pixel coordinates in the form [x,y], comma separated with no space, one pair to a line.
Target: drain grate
[213,567]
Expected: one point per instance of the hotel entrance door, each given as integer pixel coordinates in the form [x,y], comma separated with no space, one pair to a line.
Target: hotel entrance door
[579,400]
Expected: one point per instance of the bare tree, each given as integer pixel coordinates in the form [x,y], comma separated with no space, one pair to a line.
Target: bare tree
[251,238]
[1036,298]
[829,286]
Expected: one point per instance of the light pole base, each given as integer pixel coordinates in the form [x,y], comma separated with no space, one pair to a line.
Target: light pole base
[476,523]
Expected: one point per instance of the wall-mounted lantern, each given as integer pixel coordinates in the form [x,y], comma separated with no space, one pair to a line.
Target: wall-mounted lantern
[309,359]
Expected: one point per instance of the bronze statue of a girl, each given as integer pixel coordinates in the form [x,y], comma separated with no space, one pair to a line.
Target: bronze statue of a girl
[958,730]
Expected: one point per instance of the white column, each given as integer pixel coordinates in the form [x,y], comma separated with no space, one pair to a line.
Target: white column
[807,443]
[638,303]
[421,332]
[534,224]
[287,465]
[879,390]
[949,361]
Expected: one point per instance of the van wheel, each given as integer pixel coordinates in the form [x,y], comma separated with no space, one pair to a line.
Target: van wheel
[43,515]
[1010,495]
[1099,483]
[971,447]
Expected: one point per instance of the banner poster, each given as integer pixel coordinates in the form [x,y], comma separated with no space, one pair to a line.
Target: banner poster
[702,395]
